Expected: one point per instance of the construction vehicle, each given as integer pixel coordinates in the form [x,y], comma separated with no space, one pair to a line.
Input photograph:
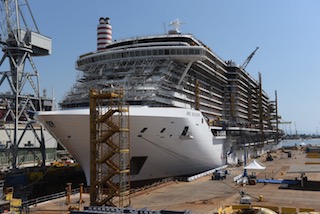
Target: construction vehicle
[244,198]
[219,175]
[269,157]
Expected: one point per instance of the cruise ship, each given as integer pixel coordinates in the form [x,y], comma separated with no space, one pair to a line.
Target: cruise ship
[189,109]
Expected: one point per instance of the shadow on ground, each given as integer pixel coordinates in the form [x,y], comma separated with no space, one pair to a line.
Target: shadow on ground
[307,186]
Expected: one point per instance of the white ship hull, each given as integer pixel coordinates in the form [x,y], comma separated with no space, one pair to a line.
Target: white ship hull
[166,153]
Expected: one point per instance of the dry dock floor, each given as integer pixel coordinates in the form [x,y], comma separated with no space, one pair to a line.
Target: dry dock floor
[206,195]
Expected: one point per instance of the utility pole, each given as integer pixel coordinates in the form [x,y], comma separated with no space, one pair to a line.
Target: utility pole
[261,113]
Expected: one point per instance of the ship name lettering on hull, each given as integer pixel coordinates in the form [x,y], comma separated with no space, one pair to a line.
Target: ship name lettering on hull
[193,114]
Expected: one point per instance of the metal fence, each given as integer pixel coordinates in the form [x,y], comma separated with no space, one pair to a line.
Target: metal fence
[35,201]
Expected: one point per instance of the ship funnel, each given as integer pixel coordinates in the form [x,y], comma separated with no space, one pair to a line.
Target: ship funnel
[104,33]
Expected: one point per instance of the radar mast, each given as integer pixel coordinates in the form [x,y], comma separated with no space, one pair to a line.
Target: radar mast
[176,25]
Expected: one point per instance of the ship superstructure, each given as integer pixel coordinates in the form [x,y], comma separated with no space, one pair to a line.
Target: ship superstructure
[157,71]
[161,74]
[174,70]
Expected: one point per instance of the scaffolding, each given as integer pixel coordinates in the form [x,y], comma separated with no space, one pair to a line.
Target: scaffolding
[109,149]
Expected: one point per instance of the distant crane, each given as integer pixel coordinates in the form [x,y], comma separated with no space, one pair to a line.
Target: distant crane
[285,122]
[245,64]
[21,40]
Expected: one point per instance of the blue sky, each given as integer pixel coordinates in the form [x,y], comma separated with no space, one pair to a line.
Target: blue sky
[287,33]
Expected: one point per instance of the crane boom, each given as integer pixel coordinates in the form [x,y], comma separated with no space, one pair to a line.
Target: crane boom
[244,65]
[285,122]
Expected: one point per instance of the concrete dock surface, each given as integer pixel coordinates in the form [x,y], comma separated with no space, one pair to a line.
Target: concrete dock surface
[205,195]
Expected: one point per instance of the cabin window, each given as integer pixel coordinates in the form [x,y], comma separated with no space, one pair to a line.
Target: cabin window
[143,130]
[185,131]
[185,51]
[162,130]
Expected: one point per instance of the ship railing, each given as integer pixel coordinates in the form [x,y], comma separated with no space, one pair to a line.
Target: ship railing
[35,201]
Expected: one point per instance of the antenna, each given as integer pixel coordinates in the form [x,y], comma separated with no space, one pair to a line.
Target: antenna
[176,24]
[165,28]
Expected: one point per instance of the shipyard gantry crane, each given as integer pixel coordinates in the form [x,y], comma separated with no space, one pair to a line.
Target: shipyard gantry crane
[19,80]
